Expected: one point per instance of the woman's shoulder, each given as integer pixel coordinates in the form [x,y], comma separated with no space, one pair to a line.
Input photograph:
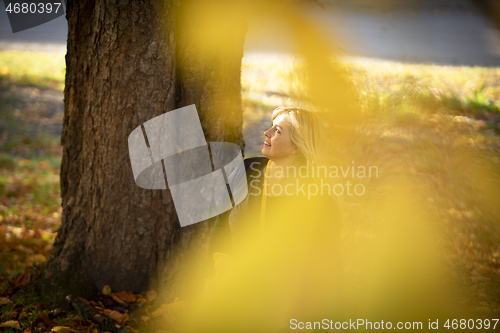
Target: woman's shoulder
[255,162]
[254,166]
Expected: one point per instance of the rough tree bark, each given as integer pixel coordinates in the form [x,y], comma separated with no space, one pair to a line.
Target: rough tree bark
[127,62]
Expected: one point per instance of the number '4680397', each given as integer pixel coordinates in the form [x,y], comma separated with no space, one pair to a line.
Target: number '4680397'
[471,324]
[32,7]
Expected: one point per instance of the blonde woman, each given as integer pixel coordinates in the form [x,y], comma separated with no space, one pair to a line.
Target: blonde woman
[283,238]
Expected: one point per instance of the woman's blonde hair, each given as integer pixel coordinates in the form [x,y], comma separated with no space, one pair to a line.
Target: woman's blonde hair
[307,132]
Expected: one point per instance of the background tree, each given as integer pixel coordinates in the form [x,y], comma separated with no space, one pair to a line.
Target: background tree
[127,62]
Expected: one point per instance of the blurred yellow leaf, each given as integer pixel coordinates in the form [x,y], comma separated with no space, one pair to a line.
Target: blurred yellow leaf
[151,295]
[4,300]
[61,329]
[36,259]
[141,299]
[106,290]
[11,323]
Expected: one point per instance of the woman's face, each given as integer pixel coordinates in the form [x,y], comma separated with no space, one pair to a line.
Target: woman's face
[278,145]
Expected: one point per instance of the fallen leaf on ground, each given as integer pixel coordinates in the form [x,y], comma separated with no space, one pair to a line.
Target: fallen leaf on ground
[120,318]
[151,295]
[24,278]
[141,299]
[62,329]
[106,290]
[116,298]
[126,296]
[11,323]
[85,301]
[20,281]
[42,318]
[12,315]
[65,329]
[4,300]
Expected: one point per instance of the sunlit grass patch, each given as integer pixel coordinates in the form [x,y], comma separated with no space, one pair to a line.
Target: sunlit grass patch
[40,69]
[466,89]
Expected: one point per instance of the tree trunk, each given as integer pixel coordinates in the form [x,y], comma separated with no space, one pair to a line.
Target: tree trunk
[127,62]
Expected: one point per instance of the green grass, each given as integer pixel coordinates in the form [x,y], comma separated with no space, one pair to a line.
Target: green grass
[481,101]
[40,69]
[30,182]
